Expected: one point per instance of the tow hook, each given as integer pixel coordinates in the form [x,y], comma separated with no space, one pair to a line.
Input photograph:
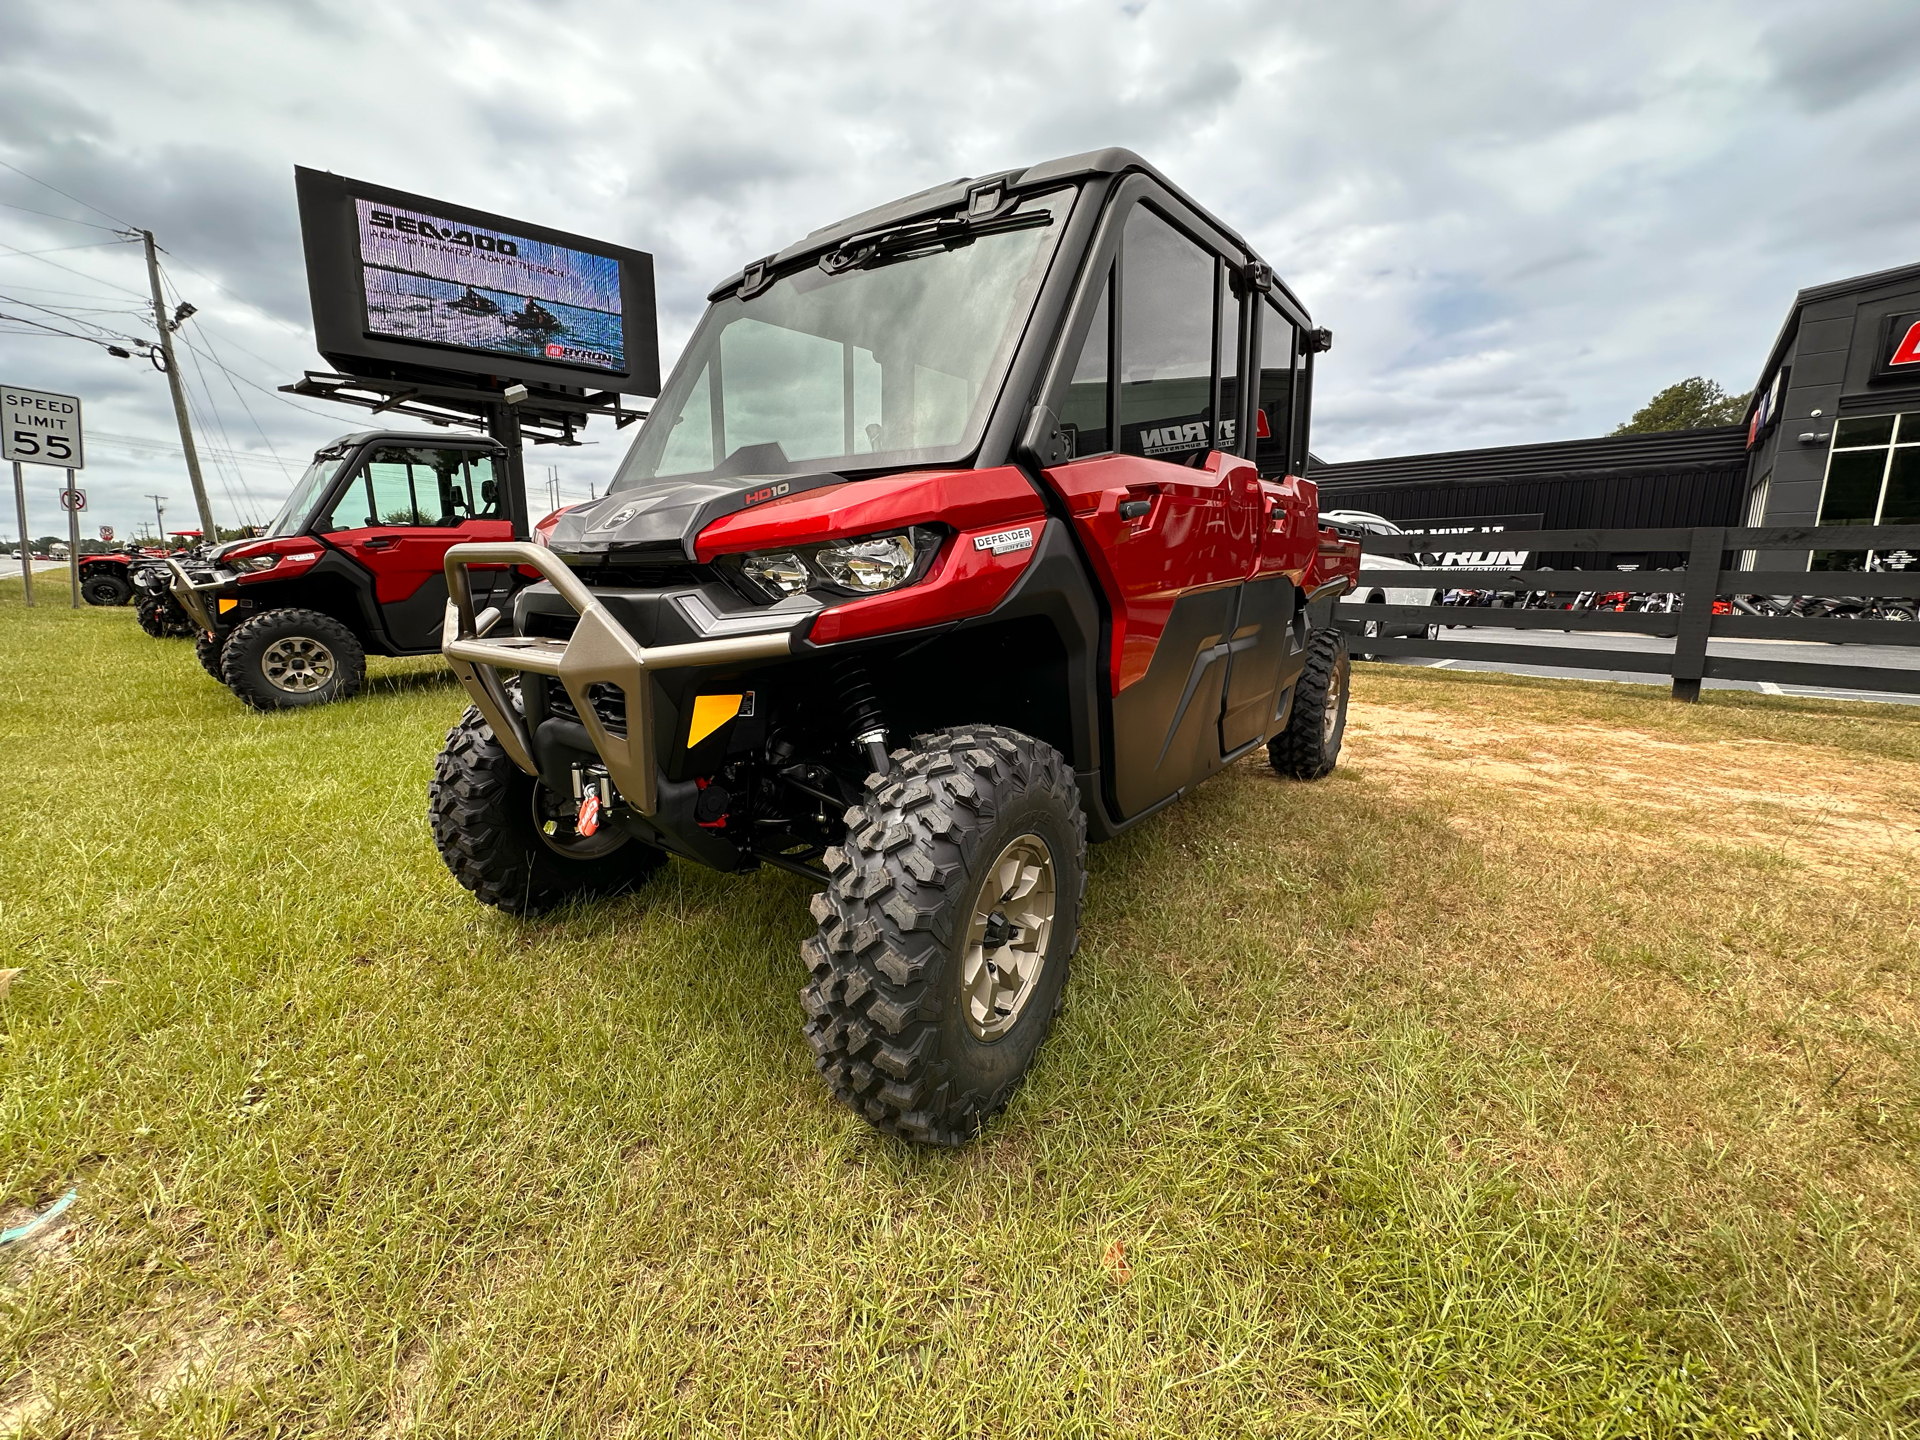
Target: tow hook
[593,792]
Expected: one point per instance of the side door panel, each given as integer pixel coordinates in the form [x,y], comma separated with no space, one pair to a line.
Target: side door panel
[1172,579]
[403,509]
[1154,385]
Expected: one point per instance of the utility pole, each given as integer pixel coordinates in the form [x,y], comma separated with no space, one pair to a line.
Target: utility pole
[26,546]
[207,525]
[159,520]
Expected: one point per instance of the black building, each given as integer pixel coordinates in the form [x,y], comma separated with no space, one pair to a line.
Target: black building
[1675,480]
[1831,437]
[1835,419]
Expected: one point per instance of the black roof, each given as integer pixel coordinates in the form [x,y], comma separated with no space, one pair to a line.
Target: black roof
[1667,450]
[415,437]
[1832,289]
[939,198]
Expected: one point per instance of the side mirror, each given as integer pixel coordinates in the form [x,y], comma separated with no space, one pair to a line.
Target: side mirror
[1043,444]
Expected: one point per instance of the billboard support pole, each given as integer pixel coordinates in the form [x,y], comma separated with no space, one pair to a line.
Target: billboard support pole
[503,423]
[209,528]
[26,545]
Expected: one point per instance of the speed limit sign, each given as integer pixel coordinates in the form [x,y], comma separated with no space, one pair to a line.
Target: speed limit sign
[40,428]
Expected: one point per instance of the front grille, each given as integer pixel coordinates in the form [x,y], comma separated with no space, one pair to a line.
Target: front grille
[641,577]
[608,703]
[552,627]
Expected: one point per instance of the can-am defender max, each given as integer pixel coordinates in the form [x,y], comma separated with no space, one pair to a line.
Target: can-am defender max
[956,539]
[354,562]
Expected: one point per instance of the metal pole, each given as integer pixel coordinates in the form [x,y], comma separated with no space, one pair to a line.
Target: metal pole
[179,395]
[73,543]
[504,425]
[26,546]
[159,520]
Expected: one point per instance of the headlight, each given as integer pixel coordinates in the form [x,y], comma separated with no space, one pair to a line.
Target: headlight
[782,574]
[868,566]
[253,564]
[863,565]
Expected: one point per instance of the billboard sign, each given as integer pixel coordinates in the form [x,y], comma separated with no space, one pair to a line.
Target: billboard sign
[404,286]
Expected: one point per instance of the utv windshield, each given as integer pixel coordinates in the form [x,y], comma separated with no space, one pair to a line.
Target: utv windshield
[307,490]
[894,360]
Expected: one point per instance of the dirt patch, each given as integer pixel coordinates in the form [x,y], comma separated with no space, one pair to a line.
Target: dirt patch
[1834,813]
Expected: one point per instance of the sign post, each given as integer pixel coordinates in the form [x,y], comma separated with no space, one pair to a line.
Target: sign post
[26,545]
[38,427]
[73,502]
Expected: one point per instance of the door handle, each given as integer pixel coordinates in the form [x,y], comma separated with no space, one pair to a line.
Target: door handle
[1134,509]
[380,542]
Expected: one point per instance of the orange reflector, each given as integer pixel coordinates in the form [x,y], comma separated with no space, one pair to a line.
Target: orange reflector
[710,712]
[226,605]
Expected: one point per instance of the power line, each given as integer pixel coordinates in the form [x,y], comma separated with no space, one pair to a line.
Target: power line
[234,386]
[58,191]
[29,255]
[49,215]
[57,249]
[73,319]
[218,419]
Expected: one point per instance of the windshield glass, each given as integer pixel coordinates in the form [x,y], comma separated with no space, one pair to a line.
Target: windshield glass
[306,490]
[895,362]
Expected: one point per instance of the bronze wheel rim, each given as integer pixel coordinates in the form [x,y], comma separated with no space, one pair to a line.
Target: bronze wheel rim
[1006,948]
[297,664]
[1336,688]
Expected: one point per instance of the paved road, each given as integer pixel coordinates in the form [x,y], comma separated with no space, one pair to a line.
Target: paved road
[10,568]
[1892,656]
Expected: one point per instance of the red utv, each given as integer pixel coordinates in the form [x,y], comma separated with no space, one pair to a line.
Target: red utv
[965,531]
[106,576]
[354,562]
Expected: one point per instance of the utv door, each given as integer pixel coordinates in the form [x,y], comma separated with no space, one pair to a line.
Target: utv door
[403,508]
[1270,638]
[1168,514]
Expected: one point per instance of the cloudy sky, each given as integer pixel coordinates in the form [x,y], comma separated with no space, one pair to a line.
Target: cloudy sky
[1519,219]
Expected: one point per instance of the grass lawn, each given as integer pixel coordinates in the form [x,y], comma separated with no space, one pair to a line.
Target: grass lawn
[1550,1070]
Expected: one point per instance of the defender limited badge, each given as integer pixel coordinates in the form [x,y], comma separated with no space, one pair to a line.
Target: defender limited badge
[1003,542]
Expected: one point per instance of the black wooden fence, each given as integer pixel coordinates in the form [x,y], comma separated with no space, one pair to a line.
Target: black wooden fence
[1704,579]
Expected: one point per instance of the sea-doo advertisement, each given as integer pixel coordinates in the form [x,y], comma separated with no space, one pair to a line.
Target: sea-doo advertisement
[450,283]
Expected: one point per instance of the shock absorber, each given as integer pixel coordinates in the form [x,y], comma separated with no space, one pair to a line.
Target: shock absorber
[861,710]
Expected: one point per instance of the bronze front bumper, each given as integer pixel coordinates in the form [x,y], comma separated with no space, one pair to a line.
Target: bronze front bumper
[600,652]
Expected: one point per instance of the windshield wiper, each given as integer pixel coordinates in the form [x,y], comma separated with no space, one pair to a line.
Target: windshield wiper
[910,241]
[887,246]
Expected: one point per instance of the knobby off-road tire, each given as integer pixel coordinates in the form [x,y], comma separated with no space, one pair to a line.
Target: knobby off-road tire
[105,590]
[152,616]
[285,659]
[893,1024]
[1310,745]
[206,649]
[482,808]
[162,618]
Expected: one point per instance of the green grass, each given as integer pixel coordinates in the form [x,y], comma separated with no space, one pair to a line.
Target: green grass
[1408,1103]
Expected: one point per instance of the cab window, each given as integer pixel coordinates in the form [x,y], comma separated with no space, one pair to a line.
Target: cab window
[1167,341]
[1279,365]
[1083,413]
[417,486]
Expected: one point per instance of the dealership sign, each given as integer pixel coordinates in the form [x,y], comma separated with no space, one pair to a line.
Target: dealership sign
[1900,345]
[1457,530]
